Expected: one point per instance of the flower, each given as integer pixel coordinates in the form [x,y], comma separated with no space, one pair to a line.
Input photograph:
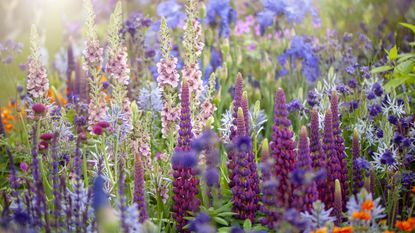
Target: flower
[24,166]
[362,215]
[117,66]
[168,75]
[39,108]
[347,229]
[407,225]
[171,11]
[223,10]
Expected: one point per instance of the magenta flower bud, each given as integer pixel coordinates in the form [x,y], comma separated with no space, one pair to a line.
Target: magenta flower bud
[24,166]
[82,136]
[97,130]
[104,124]
[43,145]
[39,108]
[46,136]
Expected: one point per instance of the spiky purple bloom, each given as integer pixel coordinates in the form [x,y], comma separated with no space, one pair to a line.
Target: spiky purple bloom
[139,195]
[283,150]
[246,181]
[333,163]
[308,192]
[185,182]
[319,161]
[237,103]
[121,195]
[13,179]
[339,142]
[358,179]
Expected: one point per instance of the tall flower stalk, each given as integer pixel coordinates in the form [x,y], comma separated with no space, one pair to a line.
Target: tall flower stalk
[139,194]
[185,184]
[333,163]
[357,171]
[318,156]
[282,147]
[246,181]
[339,141]
[37,80]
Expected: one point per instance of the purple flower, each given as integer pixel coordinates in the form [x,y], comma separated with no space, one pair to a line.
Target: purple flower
[370,95]
[265,19]
[100,198]
[379,133]
[312,98]
[282,147]
[393,119]
[39,108]
[294,105]
[243,143]
[408,178]
[24,166]
[223,10]
[186,159]
[139,194]
[374,110]
[317,153]
[387,158]
[46,136]
[352,83]
[377,89]
[212,177]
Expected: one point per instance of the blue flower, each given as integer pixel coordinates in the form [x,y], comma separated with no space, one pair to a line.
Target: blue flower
[184,159]
[221,9]
[301,48]
[387,158]
[362,163]
[100,198]
[265,19]
[243,143]
[171,11]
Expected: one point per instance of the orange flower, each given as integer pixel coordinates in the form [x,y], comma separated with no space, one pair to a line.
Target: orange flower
[362,215]
[387,231]
[405,226]
[413,189]
[367,205]
[320,230]
[348,229]
[411,220]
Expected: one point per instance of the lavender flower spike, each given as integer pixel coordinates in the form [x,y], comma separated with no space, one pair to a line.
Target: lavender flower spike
[358,179]
[282,147]
[339,141]
[333,163]
[139,195]
[317,153]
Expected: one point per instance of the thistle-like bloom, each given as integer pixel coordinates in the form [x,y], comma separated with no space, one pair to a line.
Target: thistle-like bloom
[333,163]
[185,182]
[139,195]
[168,75]
[317,153]
[358,179]
[339,141]
[117,66]
[308,192]
[282,147]
[246,181]
[97,111]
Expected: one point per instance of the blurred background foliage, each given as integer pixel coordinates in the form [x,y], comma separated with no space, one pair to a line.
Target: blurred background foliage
[59,20]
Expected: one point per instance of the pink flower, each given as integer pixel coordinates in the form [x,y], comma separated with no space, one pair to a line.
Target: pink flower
[117,66]
[37,80]
[168,74]
[93,55]
[24,166]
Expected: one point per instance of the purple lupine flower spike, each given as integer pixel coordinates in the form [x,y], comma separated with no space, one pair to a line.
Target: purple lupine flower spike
[333,163]
[139,195]
[185,131]
[317,153]
[237,102]
[246,181]
[339,141]
[245,109]
[269,188]
[184,160]
[358,179]
[310,194]
[71,89]
[282,147]
[13,179]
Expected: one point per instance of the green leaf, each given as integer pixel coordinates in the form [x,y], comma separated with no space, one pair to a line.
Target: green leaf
[393,53]
[226,214]
[404,67]
[393,83]
[381,69]
[224,230]
[410,26]
[247,224]
[220,221]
